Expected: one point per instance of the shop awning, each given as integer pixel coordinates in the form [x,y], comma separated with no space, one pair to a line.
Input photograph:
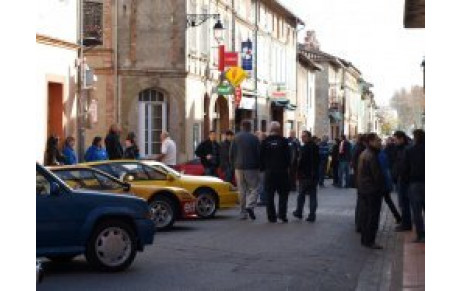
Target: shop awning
[280,102]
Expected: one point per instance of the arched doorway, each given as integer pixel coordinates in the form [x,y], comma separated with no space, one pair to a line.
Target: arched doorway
[206,103]
[277,114]
[221,122]
[153,116]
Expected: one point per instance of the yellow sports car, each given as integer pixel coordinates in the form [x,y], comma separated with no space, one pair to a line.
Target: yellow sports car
[211,193]
[168,203]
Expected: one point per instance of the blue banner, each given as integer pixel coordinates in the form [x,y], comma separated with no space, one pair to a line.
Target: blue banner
[246,55]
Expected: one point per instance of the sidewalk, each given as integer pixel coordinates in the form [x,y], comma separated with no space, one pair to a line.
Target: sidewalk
[413,264]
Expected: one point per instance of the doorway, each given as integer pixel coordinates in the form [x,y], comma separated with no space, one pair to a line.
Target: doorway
[55,110]
[221,122]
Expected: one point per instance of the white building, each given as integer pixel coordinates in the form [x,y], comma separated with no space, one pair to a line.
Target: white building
[56,55]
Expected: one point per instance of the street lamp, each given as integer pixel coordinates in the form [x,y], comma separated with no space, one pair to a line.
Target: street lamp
[219,31]
[422,65]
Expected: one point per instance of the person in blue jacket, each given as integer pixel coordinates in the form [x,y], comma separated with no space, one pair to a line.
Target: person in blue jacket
[96,152]
[70,158]
[385,166]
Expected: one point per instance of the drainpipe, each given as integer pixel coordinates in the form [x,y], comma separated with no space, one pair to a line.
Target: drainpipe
[117,87]
[256,119]
[80,104]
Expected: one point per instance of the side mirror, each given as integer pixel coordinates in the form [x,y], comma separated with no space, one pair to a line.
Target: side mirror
[170,177]
[125,177]
[55,189]
[126,187]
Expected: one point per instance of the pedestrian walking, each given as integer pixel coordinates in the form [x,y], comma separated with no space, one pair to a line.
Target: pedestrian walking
[225,164]
[360,147]
[244,154]
[70,157]
[371,186]
[168,153]
[275,161]
[385,166]
[131,148]
[53,157]
[414,174]
[96,152]
[323,159]
[402,186]
[208,152]
[294,146]
[335,162]
[308,176]
[344,162]
[113,144]
[261,188]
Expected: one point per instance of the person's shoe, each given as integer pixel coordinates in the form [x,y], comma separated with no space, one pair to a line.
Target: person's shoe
[243,216]
[311,218]
[297,215]
[261,203]
[271,219]
[251,213]
[401,228]
[374,246]
[283,219]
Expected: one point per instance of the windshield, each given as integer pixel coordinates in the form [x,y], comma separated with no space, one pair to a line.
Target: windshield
[88,179]
[166,169]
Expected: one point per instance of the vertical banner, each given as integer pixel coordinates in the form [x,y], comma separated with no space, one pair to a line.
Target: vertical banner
[221,58]
[246,50]
[238,95]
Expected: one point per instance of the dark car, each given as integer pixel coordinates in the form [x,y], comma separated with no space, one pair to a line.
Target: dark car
[108,229]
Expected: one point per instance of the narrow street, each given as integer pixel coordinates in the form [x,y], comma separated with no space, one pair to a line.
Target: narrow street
[228,254]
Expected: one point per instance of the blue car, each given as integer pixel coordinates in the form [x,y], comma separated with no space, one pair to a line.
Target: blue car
[108,229]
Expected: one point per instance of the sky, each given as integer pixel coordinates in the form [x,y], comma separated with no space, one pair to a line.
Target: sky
[371,35]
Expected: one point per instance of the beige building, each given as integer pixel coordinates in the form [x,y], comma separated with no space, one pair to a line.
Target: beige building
[56,54]
[157,71]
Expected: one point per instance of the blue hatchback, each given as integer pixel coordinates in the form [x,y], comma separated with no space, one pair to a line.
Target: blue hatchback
[108,229]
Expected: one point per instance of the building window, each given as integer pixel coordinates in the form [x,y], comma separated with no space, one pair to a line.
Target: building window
[152,121]
[205,33]
[93,20]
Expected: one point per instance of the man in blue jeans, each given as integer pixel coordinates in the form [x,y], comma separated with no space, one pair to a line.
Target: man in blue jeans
[344,162]
[323,159]
[414,173]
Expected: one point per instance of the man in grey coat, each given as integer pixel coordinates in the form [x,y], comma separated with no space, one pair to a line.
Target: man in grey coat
[244,154]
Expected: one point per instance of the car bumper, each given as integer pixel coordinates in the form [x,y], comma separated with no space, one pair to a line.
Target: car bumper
[188,209]
[228,199]
[145,232]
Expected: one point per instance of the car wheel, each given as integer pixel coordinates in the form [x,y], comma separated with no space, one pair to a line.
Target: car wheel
[164,212]
[112,246]
[206,204]
[61,258]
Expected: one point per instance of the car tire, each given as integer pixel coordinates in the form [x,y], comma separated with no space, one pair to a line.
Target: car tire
[61,258]
[164,212]
[206,204]
[112,246]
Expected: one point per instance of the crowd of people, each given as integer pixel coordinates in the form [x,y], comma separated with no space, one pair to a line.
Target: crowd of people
[113,149]
[265,164]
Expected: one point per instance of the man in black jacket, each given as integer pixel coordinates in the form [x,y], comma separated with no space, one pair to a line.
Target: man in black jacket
[414,174]
[208,152]
[275,161]
[359,148]
[308,170]
[225,164]
[371,187]
[402,186]
[113,144]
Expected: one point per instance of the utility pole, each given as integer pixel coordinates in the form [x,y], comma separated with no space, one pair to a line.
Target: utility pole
[256,118]
[80,103]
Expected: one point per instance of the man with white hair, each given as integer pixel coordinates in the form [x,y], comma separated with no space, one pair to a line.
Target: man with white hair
[275,161]
[168,150]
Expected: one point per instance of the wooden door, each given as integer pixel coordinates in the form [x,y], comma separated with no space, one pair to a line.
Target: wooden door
[55,110]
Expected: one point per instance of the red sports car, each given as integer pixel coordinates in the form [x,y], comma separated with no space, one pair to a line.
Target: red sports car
[195,168]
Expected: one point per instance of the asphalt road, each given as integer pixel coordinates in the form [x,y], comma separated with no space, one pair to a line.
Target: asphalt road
[228,254]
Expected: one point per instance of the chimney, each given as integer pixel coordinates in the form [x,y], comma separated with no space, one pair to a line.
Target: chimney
[311,43]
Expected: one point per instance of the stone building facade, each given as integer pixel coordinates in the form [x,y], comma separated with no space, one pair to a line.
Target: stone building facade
[157,73]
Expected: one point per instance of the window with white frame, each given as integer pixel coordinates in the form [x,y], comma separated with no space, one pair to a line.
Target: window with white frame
[152,121]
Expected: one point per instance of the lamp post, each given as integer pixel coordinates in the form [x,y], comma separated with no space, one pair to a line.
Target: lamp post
[422,65]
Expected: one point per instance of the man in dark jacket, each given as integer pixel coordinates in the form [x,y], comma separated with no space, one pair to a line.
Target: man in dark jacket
[323,159]
[414,174]
[225,164]
[335,162]
[371,186]
[402,186]
[344,162]
[359,148]
[112,143]
[208,152]
[275,161]
[294,147]
[244,155]
[308,176]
